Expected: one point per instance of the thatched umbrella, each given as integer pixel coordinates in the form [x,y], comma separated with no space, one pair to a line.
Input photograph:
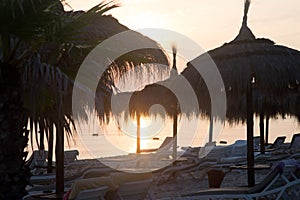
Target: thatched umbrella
[139,103]
[158,93]
[175,95]
[258,75]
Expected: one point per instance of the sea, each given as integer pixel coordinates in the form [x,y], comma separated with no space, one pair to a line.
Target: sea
[119,137]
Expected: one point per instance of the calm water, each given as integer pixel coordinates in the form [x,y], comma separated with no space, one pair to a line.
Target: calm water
[119,138]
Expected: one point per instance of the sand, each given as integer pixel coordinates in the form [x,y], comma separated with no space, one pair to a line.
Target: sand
[184,183]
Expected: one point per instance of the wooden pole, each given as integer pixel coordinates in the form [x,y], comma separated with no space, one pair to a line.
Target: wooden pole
[59,152]
[138,133]
[250,153]
[262,134]
[50,150]
[211,129]
[175,137]
[267,130]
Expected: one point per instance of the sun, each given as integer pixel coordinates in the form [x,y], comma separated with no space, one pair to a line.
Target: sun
[145,121]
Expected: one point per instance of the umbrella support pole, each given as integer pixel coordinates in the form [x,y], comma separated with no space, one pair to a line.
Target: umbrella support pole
[138,137]
[262,135]
[267,130]
[211,129]
[174,138]
[250,152]
[50,150]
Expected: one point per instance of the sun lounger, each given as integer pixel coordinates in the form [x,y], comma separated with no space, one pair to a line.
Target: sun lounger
[113,181]
[295,143]
[70,156]
[92,194]
[37,159]
[210,156]
[137,190]
[256,142]
[274,184]
[219,157]
[172,172]
[290,152]
[166,144]
[234,153]
[190,151]
[277,145]
[42,179]
[279,141]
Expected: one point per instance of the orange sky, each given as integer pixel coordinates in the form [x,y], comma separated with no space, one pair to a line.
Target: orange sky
[210,22]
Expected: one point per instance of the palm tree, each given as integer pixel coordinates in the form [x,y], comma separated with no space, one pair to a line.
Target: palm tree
[27,30]
[22,29]
[42,47]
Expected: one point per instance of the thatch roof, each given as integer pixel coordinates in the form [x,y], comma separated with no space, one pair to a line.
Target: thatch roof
[97,28]
[141,101]
[275,70]
[104,27]
[174,96]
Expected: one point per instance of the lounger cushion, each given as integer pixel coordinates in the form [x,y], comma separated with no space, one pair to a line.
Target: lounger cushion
[90,183]
[120,177]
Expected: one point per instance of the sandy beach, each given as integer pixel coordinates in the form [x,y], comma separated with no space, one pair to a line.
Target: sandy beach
[163,186]
[189,183]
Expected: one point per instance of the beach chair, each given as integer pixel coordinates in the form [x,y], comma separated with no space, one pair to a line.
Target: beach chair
[208,156]
[92,194]
[173,172]
[274,184]
[293,151]
[234,153]
[70,156]
[279,141]
[190,152]
[97,172]
[165,145]
[137,190]
[256,143]
[37,161]
[295,144]
[219,156]
[224,157]
[43,179]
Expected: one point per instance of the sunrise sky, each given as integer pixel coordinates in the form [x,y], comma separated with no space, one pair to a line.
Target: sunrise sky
[210,22]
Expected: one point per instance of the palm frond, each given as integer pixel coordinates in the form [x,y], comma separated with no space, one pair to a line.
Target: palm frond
[46,91]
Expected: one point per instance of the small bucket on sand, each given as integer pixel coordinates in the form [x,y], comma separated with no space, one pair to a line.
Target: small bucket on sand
[215,178]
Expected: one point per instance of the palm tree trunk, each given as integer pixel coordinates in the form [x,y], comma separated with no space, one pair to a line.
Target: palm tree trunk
[59,152]
[14,173]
